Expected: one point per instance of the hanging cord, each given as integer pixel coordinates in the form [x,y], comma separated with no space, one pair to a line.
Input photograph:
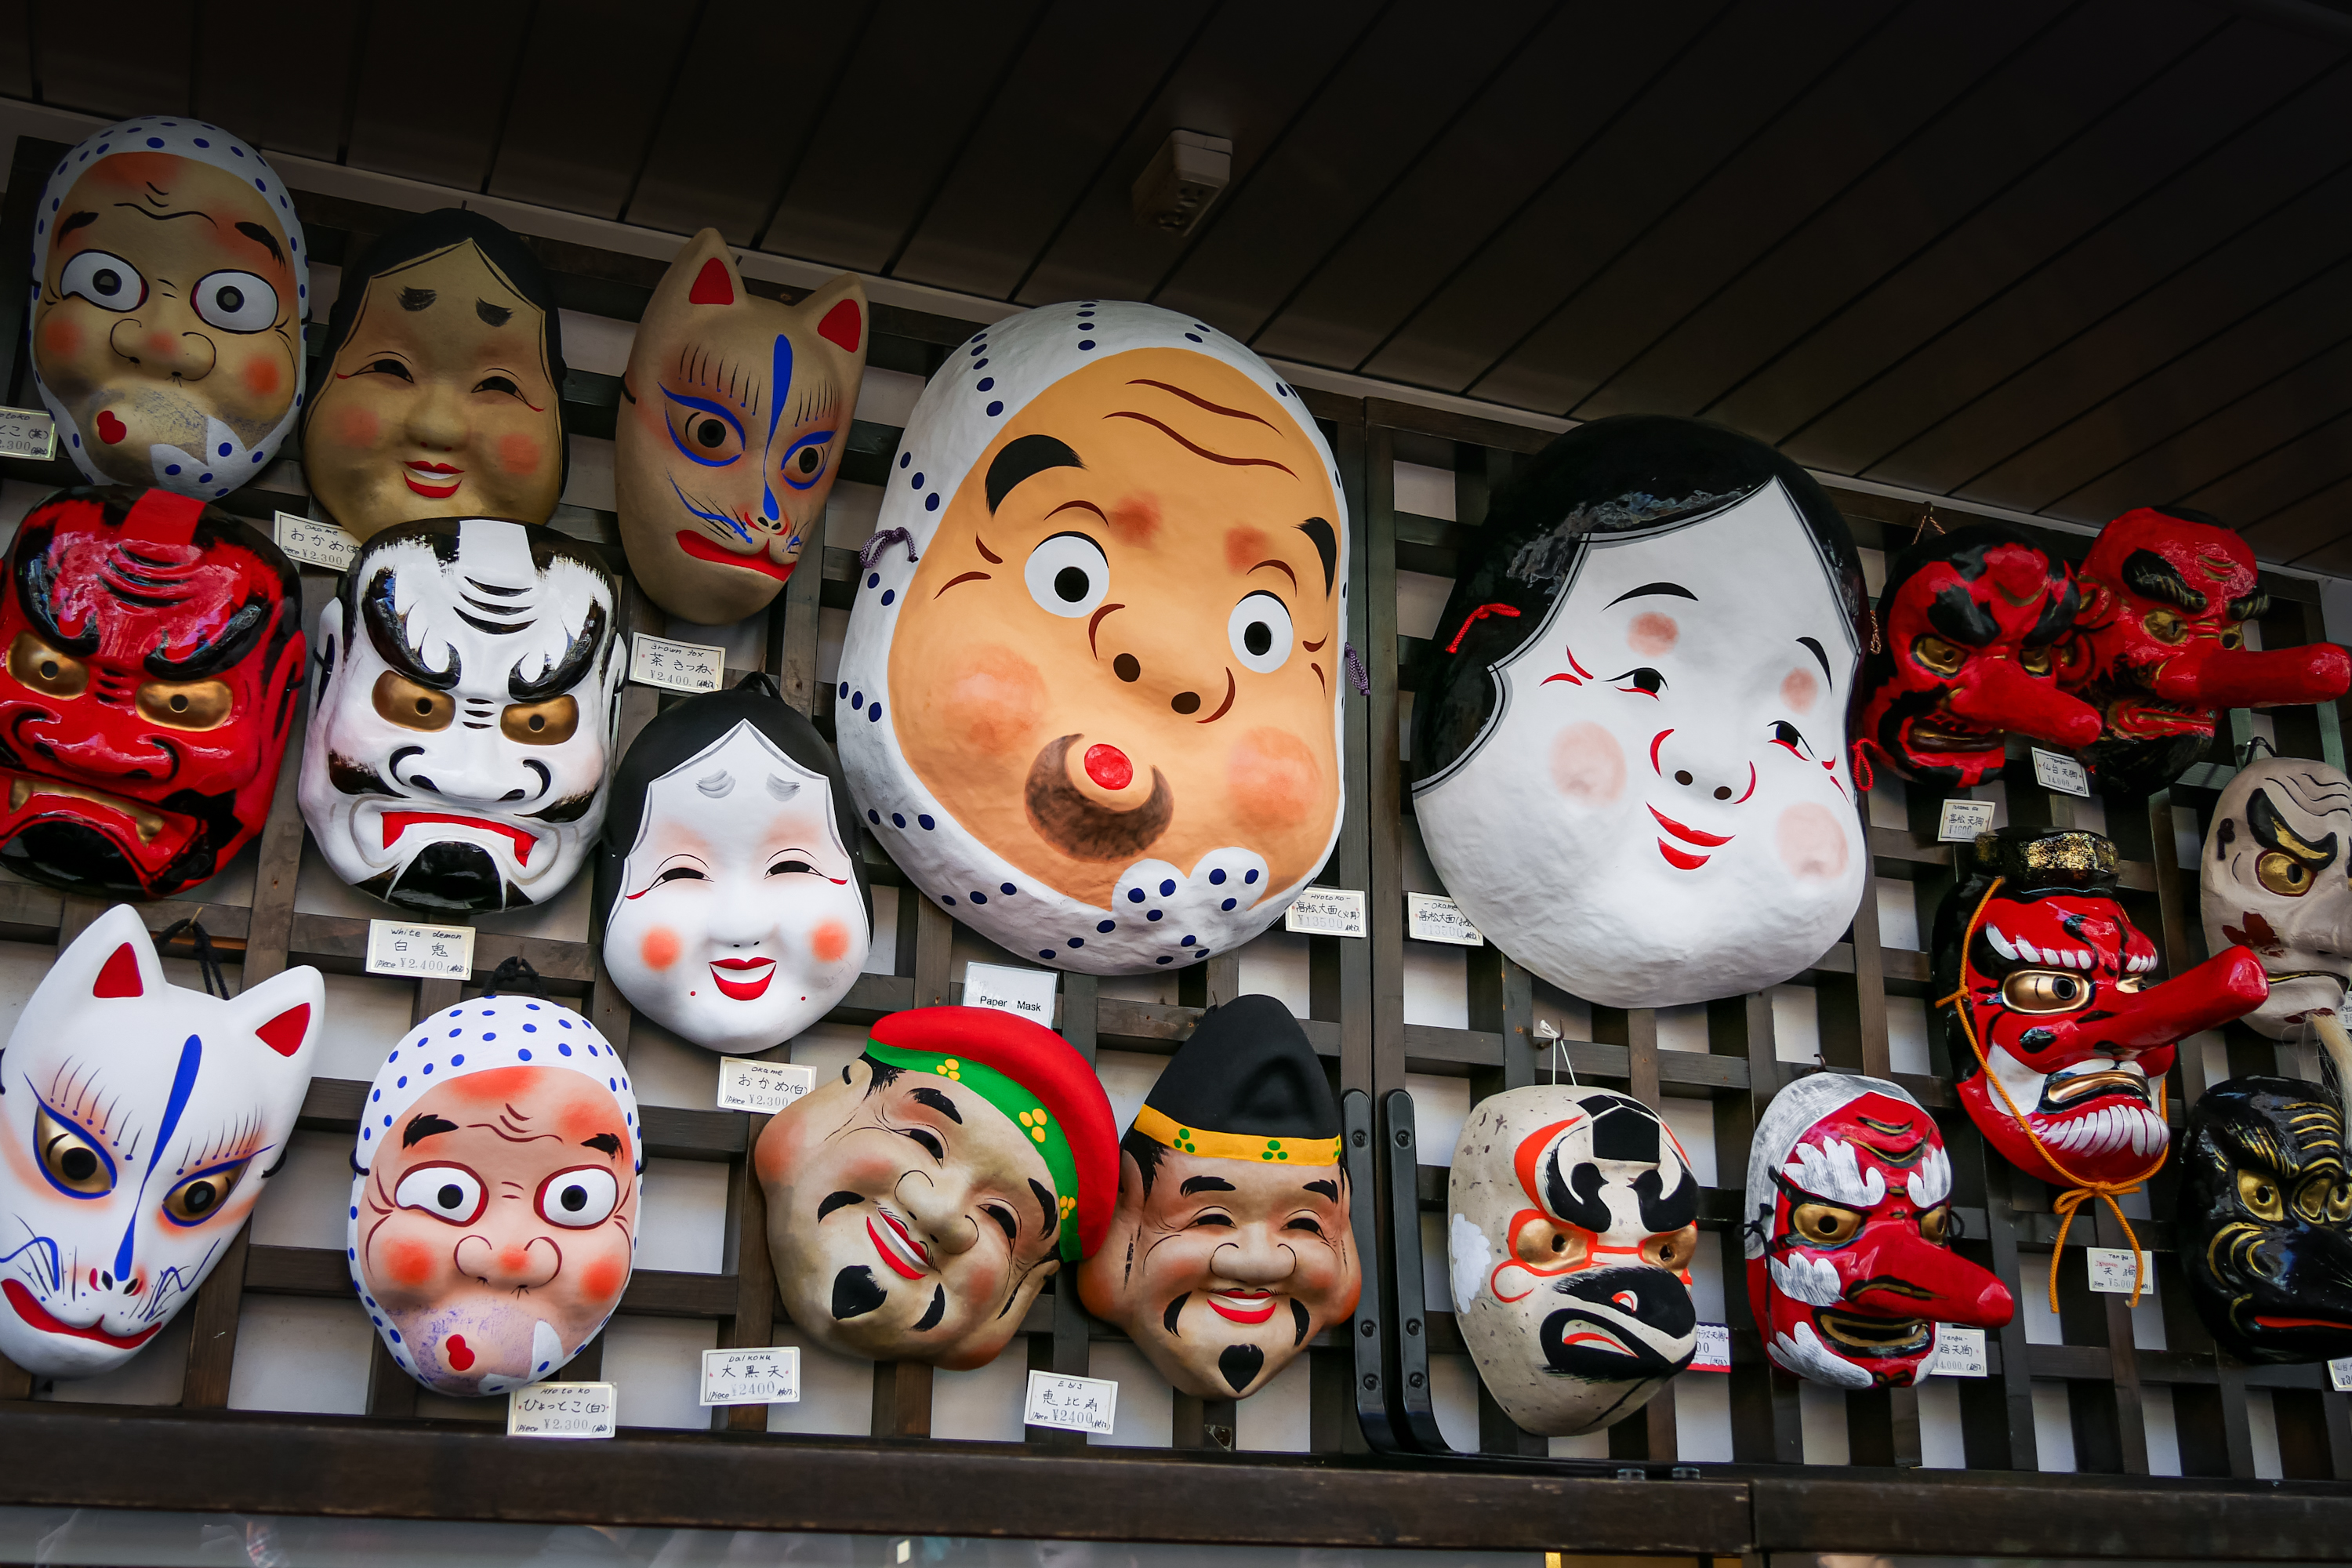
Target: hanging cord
[2246,753]
[1473,617]
[208,963]
[1555,1052]
[2081,1191]
[871,551]
[1357,675]
[512,973]
[760,681]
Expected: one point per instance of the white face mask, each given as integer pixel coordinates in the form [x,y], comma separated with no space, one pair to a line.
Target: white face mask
[2274,879]
[1660,810]
[737,922]
[457,753]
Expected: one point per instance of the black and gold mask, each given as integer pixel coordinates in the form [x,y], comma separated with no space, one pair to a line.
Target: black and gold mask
[2264,1221]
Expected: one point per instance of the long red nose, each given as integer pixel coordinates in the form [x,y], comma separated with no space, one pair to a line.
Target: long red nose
[2235,678]
[1958,1291]
[2003,697]
[2227,985]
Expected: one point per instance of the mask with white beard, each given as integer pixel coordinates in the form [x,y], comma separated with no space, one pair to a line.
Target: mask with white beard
[2274,879]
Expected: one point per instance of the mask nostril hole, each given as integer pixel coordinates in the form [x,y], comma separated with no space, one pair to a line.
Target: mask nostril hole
[1723,792]
[1126,667]
[1185,703]
[1681,777]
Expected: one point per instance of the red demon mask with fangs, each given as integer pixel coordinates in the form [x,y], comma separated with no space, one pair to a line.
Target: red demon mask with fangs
[153,648]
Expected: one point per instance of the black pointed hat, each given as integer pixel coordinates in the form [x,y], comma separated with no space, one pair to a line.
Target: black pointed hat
[1245,1086]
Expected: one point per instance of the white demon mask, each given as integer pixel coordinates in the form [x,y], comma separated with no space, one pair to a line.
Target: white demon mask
[2275,880]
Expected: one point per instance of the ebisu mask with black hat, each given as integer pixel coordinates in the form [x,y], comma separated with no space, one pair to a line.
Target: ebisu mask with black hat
[170,280]
[737,912]
[1090,695]
[918,1203]
[1231,1247]
[1629,754]
[2273,878]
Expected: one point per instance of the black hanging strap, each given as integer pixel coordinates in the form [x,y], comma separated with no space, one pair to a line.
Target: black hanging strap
[512,973]
[208,963]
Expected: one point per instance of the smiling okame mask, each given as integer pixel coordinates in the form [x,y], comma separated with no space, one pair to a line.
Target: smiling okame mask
[1096,715]
[1629,747]
[2275,880]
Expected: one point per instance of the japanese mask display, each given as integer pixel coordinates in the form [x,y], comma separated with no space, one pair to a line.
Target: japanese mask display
[2275,880]
[494,1199]
[1970,624]
[154,651]
[1092,706]
[735,410]
[2159,644]
[2263,1223]
[1572,1217]
[141,1121]
[468,685]
[442,395]
[2058,1032]
[1230,1246]
[917,1204]
[739,907]
[1629,754]
[169,352]
[1849,1236]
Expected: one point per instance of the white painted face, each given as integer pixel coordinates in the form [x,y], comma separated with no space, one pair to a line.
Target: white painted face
[140,1121]
[457,749]
[2274,879]
[1660,810]
[737,922]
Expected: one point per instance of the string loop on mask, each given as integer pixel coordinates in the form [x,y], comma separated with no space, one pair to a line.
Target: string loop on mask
[208,964]
[1358,676]
[1473,617]
[871,551]
[761,682]
[512,973]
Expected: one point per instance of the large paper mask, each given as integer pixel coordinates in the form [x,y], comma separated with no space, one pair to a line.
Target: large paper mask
[469,681]
[1098,719]
[1573,1216]
[1231,1247]
[916,1205]
[1849,1236]
[2263,1225]
[2058,1032]
[739,913]
[494,1207]
[2274,879]
[142,1121]
[1969,628]
[153,648]
[444,391]
[734,413]
[2161,645]
[1629,750]
[170,283]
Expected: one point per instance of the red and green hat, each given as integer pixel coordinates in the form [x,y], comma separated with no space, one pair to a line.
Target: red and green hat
[1041,1084]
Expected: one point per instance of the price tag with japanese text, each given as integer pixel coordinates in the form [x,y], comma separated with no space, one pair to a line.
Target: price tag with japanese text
[769,1374]
[1962,820]
[420,952]
[315,543]
[560,1410]
[1430,917]
[2340,1375]
[1072,1403]
[676,666]
[1714,1353]
[27,432]
[1328,911]
[2112,1271]
[747,1085]
[2057,771]
[1960,1352]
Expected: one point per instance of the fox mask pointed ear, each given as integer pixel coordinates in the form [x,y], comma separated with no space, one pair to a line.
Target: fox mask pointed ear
[703,274]
[113,959]
[838,314]
[283,1013]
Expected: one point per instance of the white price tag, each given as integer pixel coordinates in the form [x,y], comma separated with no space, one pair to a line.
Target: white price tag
[315,543]
[2056,770]
[1430,917]
[2340,1375]
[420,952]
[27,432]
[560,1410]
[1960,1352]
[769,1375]
[1714,1354]
[747,1084]
[1010,988]
[2110,1271]
[1962,820]
[675,666]
[1072,1403]
[1328,911]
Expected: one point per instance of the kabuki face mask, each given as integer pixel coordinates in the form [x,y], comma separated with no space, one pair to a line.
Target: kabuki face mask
[2263,1224]
[140,1123]
[2277,879]
[1849,1236]
[170,280]
[1573,1218]
[469,684]
[493,1209]
[1090,697]
[1629,745]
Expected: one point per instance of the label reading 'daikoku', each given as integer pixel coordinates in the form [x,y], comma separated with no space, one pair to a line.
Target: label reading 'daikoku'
[1960,1352]
[1714,1353]
[27,432]
[420,952]
[1072,1403]
[315,543]
[768,1087]
[2056,770]
[675,666]
[1012,988]
[560,1410]
[767,1375]
[2111,1270]
[1962,820]
[1327,911]
[1430,918]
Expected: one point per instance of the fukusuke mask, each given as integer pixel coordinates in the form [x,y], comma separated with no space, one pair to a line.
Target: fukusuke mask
[494,1207]
[1573,1219]
[1969,628]
[2275,880]
[141,1121]
[1850,1229]
[1092,706]
[917,1204]
[2263,1225]
[739,903]
[469,680]
[154,651]
[170,280]
[1230,1248]
[2161,645]
[1629,752]
[734,413]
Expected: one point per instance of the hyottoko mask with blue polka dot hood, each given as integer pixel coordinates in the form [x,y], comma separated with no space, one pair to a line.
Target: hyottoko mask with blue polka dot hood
[1090,695]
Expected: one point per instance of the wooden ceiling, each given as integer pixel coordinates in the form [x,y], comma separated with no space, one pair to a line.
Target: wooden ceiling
[2059,257]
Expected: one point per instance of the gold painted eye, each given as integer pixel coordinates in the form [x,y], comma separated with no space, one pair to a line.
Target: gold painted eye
[2339,1203]
[2036,660]
[1936,1224]
[38,665]
[2045,991]
[1541,1243]
[2261,1195]
[2131,983]
[186,704]
[1937,655]
[1672,1250]
[70,1158]
[1825,1225]
[2282,874]
[548,723]
[199,1199]
[401,701]
[2311,1198]
[2166,627]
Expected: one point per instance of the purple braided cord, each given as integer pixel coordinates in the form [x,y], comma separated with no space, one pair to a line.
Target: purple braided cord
[1356,672]
[869,552]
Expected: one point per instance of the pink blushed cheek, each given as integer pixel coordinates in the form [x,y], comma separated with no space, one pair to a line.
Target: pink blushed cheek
[1587,764]
[829,941]
[659,948]
[1652,632]
[1812,844]
[1800,691]
[518,453]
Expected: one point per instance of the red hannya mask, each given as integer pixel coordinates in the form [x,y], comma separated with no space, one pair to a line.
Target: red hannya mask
[2161,645]
[154,647]
[1850,1264]
[1969,626]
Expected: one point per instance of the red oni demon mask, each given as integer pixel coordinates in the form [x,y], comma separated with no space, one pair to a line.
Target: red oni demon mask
[2161,644]
[1969,629]
[1849,1266]
[153,646]
[2058,1034]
